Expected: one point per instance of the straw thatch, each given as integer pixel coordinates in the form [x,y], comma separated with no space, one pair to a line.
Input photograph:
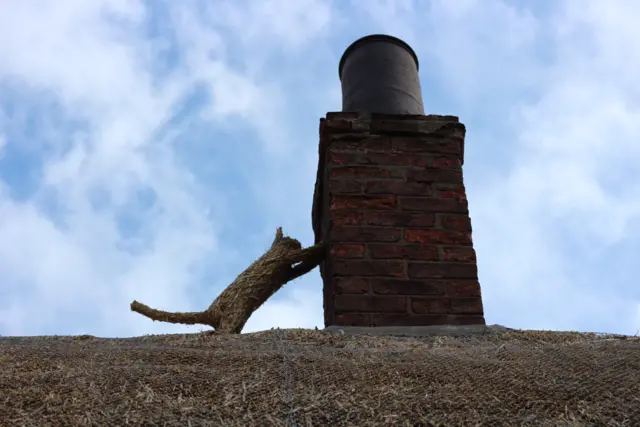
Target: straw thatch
[315,378]
[284,261]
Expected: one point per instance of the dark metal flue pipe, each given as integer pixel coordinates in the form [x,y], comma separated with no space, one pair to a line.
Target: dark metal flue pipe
[379,74]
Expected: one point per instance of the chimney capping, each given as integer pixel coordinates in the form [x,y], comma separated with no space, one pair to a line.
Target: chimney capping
[375,38]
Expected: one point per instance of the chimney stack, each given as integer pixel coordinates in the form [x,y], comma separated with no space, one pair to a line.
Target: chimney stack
[390,201]
[379,74]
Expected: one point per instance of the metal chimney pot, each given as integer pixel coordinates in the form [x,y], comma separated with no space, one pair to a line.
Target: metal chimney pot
[379,74]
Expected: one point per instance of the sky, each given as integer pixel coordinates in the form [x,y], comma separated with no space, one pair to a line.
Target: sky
[150,149]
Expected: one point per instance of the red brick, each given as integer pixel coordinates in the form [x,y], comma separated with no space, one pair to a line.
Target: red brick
[389,251]
[368,268]
[380,319]
[433,305]
[369,303]
[456,222]
[356,158]
[466,306]
[345,115]
[441,270]
[415,252]
[345,187]
[364,172]
[457,319]
[446,162]
[444,176]
[353,319]
[463,288]
[422,252]
[351,285]
[360,143]
[455,130]
[459,254]
[337,124]
[407,287]
[428,145]
[361,124]
[425,204]
[355,135]
[437,237]
[347,250]
[365,234]
[347,218]
[453,193]
[432,126]
[398,188]
[363,202]
[401,219]
[392,125]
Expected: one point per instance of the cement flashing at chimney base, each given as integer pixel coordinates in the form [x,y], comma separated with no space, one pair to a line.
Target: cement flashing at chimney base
[418,331]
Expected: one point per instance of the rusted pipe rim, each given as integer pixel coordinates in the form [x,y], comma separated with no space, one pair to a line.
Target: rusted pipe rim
[375,38]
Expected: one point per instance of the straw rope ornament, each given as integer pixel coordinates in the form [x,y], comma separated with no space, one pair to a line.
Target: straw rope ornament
[285,260]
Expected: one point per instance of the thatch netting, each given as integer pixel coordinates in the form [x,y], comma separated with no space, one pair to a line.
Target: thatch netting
[315,378]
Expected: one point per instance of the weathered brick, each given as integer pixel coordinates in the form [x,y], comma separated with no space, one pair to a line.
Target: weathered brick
[398,251]
[372,143]
[437,237]
[462,319]
[388,251]
[441,270]
[443,176]
[437,120]
[458,254]
[361,125]
[337,124]
[401,219]
[364,202]
[431,126]
[347,250]
[429,305]
[370,303]
[407,287]
[463,288]
[426,204]
[364,268]
[394,126]
[466,306]
[452,193]
[443,145]
[454,130]
[340,218]
[344,115]
[365,172]
[422,252]
[456,222]
[353,319]
[365,234]
[406,319]
[356,158]
[345,187]
[354,135]
[446,162]
[351,285]
[398,188]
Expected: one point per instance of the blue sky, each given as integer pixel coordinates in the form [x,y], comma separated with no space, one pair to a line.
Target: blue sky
[149,150]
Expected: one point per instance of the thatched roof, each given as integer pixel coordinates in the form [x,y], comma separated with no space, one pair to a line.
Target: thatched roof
[304,377]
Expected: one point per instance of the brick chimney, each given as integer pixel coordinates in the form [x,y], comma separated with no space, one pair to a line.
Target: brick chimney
[390,201]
